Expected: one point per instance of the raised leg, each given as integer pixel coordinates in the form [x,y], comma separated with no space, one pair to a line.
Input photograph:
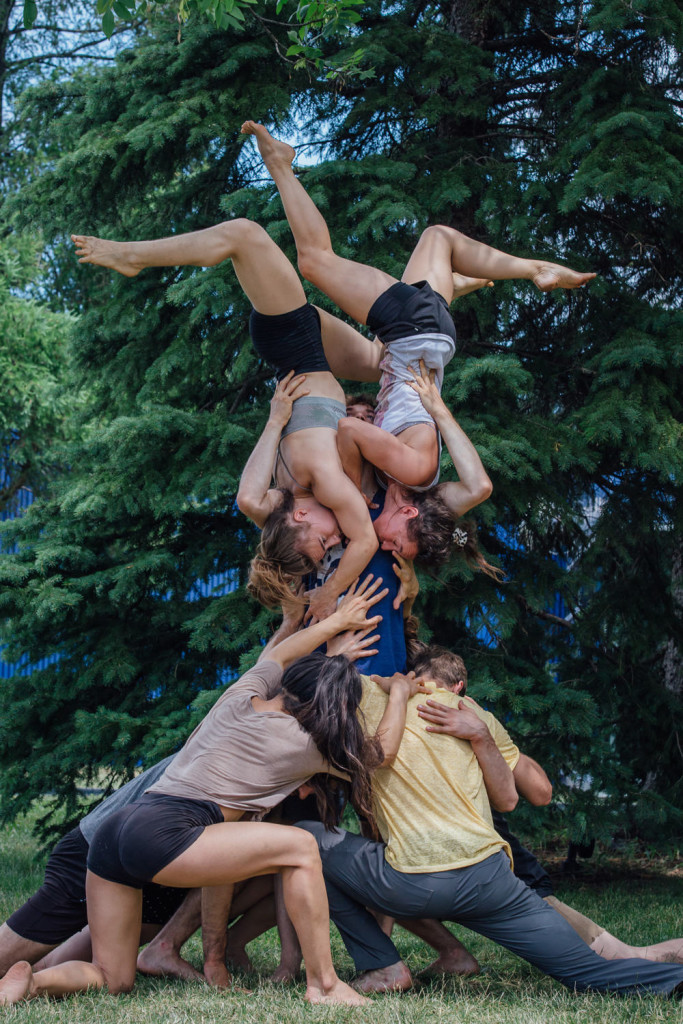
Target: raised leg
[353,286]
[351,355]
[443,251]
[267,277]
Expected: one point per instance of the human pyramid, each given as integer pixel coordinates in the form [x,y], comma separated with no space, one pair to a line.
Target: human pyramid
[346,495]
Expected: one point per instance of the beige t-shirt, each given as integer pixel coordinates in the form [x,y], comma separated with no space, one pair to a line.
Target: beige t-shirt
[242,758]
[431,804]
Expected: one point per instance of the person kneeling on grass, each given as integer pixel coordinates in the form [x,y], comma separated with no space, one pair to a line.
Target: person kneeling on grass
[186,831]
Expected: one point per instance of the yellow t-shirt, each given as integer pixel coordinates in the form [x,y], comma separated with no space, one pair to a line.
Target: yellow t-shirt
[431,804]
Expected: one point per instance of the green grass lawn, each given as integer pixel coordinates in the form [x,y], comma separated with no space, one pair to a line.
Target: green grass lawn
[639,905]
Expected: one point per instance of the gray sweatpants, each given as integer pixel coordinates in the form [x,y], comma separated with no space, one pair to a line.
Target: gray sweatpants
[485,897]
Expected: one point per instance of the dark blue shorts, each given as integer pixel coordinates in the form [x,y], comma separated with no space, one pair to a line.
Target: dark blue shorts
[138,841]
[289,341]
[405,309]
[58,910]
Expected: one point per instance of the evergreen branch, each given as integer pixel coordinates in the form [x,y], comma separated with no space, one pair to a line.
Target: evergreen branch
[7,493]
[547,616]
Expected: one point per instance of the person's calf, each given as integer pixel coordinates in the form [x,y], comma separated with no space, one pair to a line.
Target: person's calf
[14,948]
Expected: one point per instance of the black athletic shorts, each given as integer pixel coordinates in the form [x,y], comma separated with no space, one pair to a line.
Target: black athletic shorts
[58,910]
[405,309]
[135,843]
[289,341]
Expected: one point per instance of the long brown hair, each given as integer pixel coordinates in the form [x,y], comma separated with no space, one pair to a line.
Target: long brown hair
[324,696]
[277,567]
[439,535]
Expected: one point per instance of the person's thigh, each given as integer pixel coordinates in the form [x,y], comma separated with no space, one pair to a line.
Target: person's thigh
[350,354]
[431,261]
[234,851]
[56,911]
[114,917]
[266,276]
[358,867]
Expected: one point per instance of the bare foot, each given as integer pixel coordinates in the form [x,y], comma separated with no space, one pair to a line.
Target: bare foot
[338,993]
[464,285]
[283,974]
[161,960]
[218,975]
[612,948]
[394,978]
[237,959]
[458,961]
[106,253]
[17,984]
[552,275]
[274,152]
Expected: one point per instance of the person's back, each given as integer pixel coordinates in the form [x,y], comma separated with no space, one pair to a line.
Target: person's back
[431,804]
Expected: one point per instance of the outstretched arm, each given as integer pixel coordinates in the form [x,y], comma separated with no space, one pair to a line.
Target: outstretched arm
[473,485]
[351,613]
[255,497]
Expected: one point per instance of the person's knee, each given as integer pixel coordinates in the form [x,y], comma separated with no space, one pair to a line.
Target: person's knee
[121,988]
[118,984]
[315,264]
[438,234]
[308,262]
[240,233]
[307,850]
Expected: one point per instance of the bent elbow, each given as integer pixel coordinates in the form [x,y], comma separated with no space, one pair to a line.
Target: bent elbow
[543,796]
[507,803]
[388,758]
[246,504]
[485,490]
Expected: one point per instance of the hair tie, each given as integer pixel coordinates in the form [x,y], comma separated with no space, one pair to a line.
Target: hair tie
[459,537]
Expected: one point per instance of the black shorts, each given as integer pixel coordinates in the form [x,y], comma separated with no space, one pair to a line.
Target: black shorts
[405,309]
[135,843]
[58,910]
[289,341]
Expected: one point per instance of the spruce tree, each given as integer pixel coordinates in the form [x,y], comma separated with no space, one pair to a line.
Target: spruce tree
[535,128]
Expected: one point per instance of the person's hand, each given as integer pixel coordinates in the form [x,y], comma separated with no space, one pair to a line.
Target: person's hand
[321,604]
[286,393]
[354,606]
[409,587]
[353,644]
[357,602]
[460,722]
[424,385]
[406,681]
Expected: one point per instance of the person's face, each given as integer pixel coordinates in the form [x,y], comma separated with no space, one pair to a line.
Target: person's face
[391,526]
[361,411]
[320,530]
